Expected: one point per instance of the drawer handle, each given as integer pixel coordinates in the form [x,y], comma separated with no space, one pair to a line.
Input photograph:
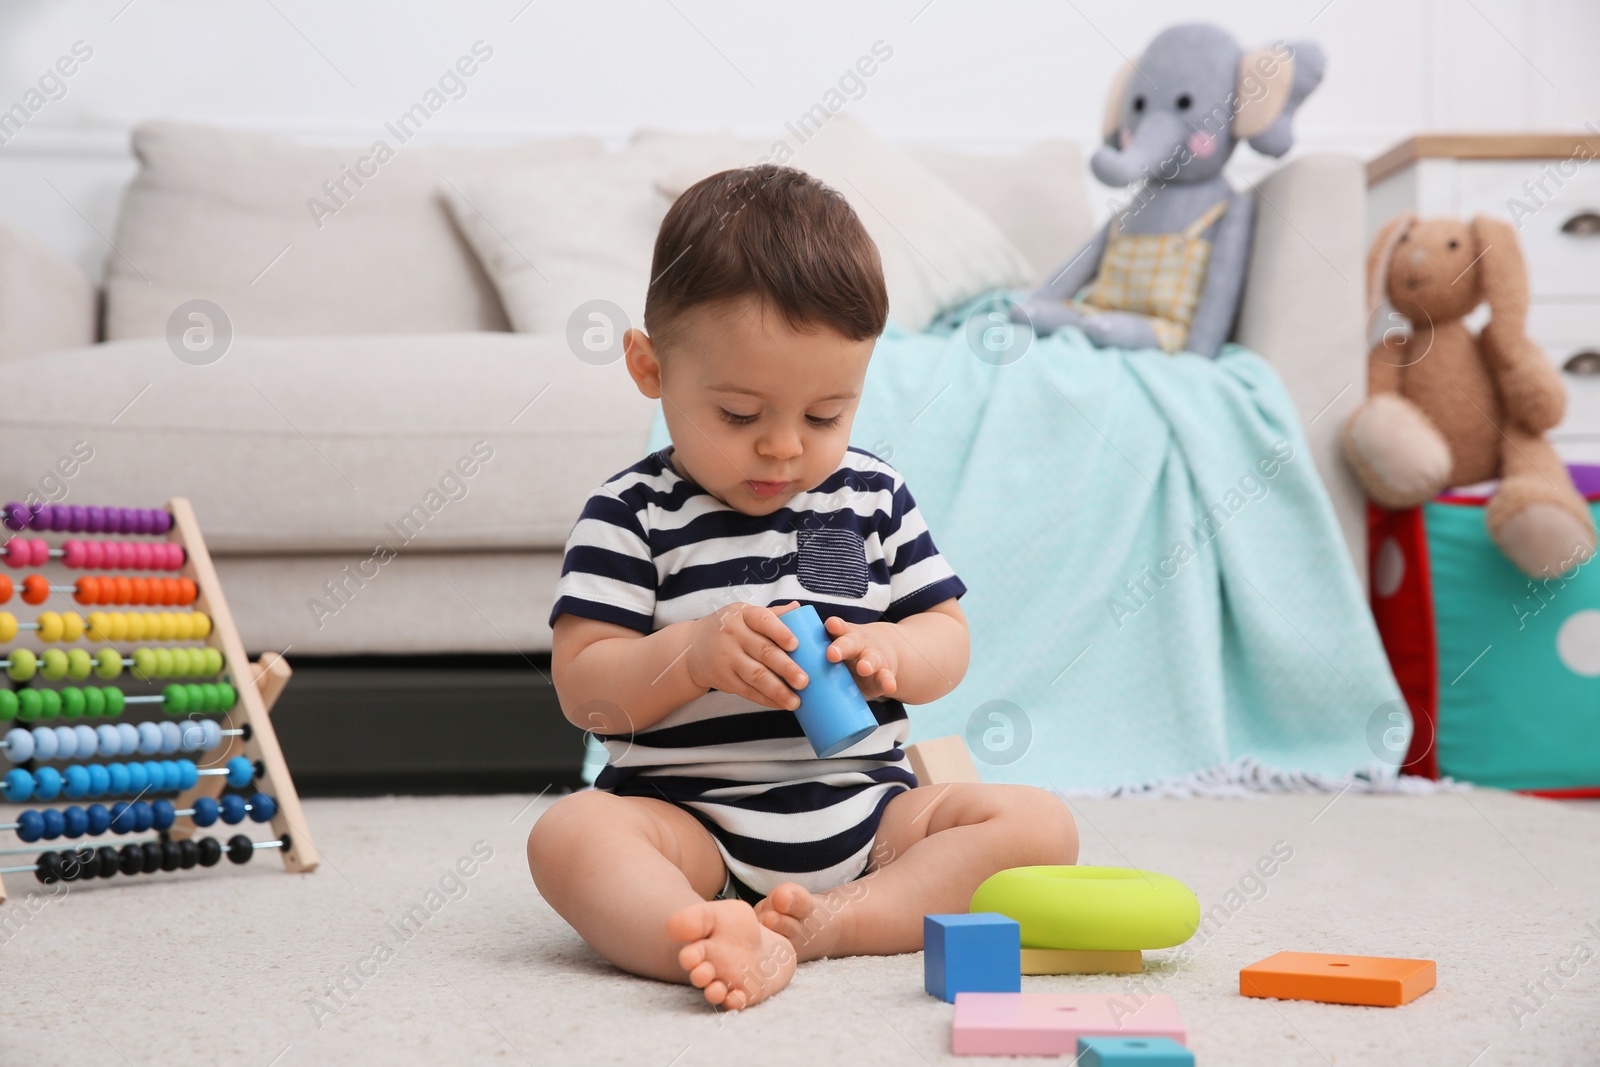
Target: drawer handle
[1585,364]
[1583,224]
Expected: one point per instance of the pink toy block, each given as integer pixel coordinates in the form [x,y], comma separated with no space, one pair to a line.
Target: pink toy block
[1049,1024]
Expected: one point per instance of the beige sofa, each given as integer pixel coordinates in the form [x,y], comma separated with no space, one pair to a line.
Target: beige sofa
[377,464]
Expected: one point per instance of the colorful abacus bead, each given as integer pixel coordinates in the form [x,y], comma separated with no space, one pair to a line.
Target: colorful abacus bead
[26,552]
[107,663]
[122,739]
[109,589]
[62,518]
[51,626]
[74,663]
[147,857]
[71,702]
[149,663]
[117,779]
[143,857]
[105,589]
[72,823]
[23,664]
[122,818]
[35,589]
[143,626]
[186,698]
[75,822]
[120,555]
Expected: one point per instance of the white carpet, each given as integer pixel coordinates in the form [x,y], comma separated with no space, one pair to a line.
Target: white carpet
[236,966]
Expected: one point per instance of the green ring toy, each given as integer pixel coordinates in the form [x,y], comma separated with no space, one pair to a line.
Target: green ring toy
[1092,908]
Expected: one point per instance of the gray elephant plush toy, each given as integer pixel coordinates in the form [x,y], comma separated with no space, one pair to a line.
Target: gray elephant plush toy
[1168,270]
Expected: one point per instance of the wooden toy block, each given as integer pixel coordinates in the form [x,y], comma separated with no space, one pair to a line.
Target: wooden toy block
[1132,1052]
[1050,1024]
[970,953]
[941,760]
[1378,981]
[1081,961]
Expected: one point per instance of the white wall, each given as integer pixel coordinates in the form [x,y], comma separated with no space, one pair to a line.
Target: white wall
[991,74]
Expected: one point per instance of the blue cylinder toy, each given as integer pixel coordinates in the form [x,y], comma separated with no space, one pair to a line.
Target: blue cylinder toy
[832,711]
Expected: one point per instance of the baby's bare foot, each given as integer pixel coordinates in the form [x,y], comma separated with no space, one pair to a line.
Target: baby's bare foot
[729,954]
[816,924]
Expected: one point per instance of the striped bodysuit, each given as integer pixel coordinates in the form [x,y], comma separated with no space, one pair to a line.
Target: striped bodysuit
[653,548]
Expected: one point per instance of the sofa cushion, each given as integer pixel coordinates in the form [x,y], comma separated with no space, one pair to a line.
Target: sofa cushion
[938,249]
[46,300]
[556,235]
[332,444]
[258,225]
[1036,197]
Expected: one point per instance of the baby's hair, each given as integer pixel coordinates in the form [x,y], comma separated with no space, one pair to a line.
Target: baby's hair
[774,233]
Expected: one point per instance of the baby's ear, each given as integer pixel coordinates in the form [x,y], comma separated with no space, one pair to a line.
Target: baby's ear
[644,366]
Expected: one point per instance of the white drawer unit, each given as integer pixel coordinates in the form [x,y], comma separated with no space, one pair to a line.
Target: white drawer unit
[1548,185]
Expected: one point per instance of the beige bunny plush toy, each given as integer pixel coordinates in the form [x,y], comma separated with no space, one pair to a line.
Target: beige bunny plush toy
[1448,408]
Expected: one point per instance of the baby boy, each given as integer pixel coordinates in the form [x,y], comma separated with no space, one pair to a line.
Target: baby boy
[716,848]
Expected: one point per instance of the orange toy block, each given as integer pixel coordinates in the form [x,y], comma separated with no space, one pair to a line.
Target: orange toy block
[942,759]
[1379,981]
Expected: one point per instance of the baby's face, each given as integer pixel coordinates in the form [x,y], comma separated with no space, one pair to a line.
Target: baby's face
[758,410]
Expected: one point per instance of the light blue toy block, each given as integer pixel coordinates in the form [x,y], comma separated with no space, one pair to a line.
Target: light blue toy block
[979,953]
[1132,1052]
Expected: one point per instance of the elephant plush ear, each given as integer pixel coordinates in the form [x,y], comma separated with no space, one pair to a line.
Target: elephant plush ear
[1111,124]
[1272,84]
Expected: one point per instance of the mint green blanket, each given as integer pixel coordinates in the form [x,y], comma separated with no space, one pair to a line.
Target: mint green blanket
[1157,585]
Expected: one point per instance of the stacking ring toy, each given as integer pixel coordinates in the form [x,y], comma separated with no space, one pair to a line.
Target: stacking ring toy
[1093,908]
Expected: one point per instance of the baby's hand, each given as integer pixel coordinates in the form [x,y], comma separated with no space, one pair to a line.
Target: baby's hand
[743,649]
[873,659]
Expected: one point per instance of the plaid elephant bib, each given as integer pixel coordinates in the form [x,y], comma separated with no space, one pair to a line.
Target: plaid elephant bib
[1156,275]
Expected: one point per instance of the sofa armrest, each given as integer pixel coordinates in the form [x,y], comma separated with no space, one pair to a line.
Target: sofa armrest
[1303,311]
[46,300]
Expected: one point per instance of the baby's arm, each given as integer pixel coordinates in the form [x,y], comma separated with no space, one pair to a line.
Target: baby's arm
[916,660]
[614,680]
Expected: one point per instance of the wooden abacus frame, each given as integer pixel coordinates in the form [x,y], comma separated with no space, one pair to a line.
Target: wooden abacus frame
[258,686]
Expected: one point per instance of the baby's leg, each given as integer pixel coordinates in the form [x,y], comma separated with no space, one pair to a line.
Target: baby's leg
[634,876]
[932,849]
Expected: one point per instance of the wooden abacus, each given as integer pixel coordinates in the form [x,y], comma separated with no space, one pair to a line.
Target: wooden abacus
[241,751]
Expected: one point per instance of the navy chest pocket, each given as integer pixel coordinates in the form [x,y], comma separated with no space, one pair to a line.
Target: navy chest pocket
[832,562]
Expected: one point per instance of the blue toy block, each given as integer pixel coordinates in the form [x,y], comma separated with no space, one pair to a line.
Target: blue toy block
[1132,1052]
[979,953]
